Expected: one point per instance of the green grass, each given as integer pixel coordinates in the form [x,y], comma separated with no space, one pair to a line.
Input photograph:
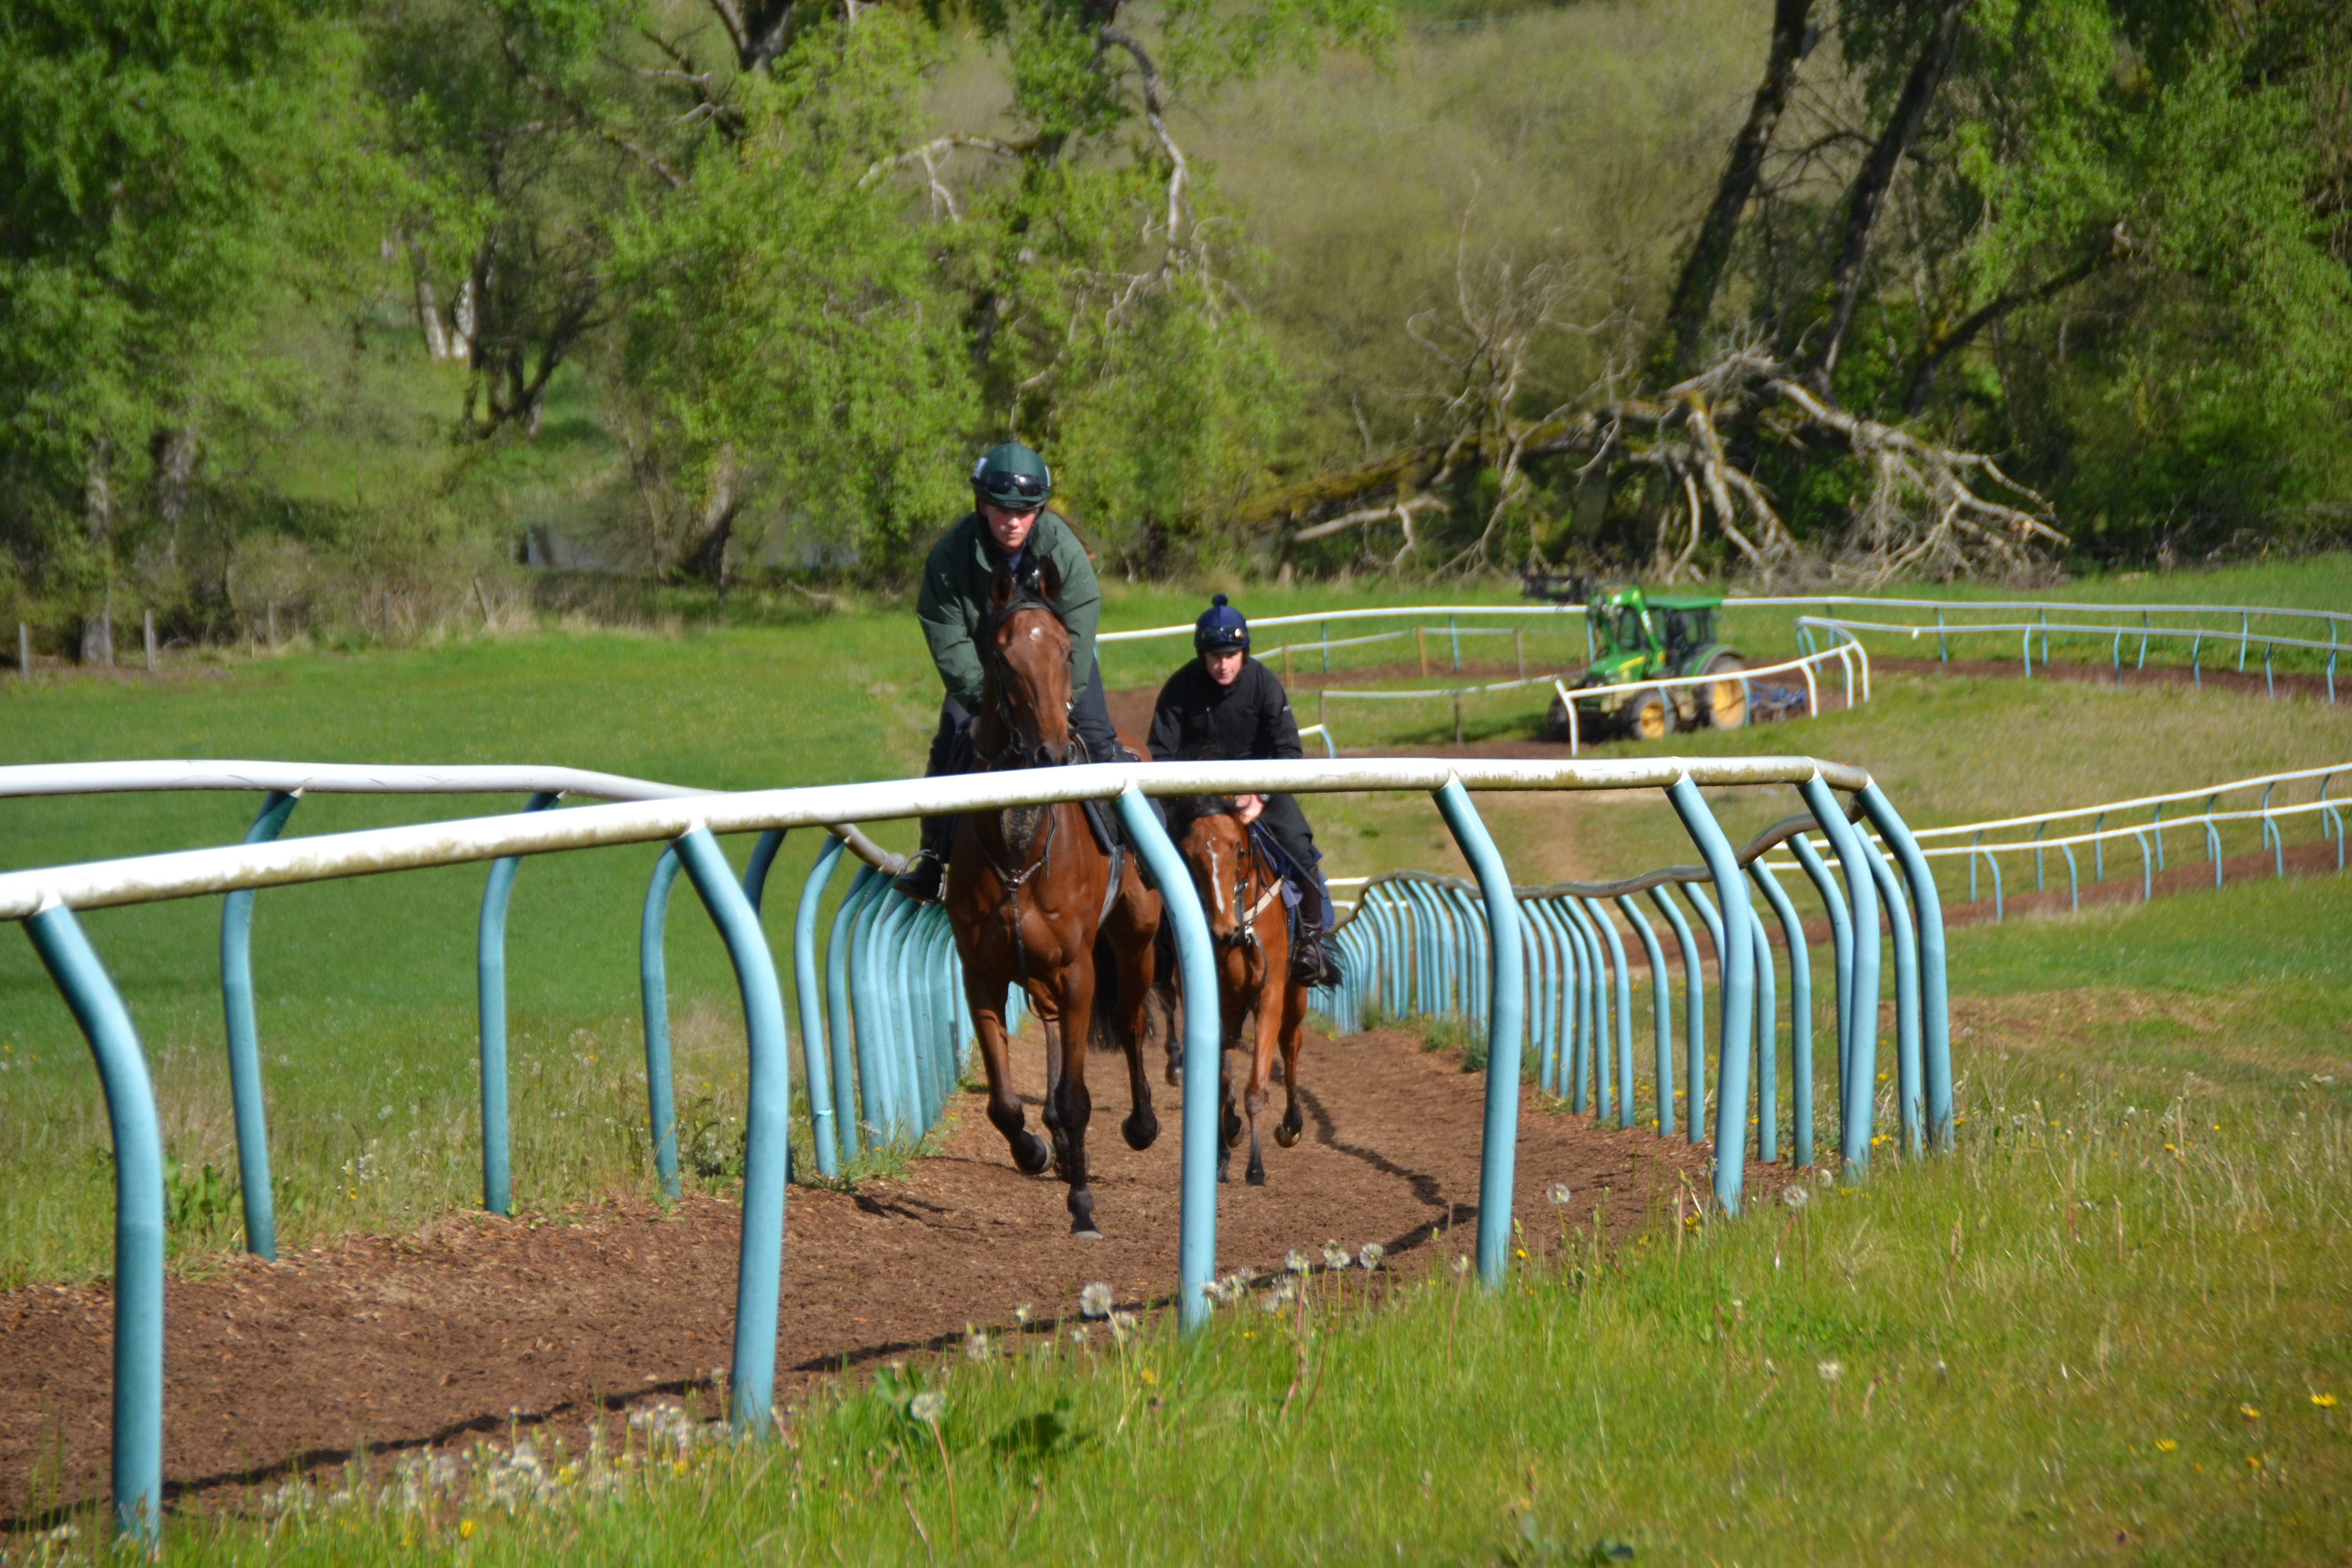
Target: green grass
[2111,1325]
[379,972]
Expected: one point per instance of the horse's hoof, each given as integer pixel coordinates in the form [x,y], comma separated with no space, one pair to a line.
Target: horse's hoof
[1083,1230]
[1030,1155]
[1257,1175]
[1141,1130]
[1287,1135]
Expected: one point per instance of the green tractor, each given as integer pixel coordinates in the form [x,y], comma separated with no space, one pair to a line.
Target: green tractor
[1640,637]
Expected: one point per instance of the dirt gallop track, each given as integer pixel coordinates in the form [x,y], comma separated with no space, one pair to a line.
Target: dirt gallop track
[475,1321]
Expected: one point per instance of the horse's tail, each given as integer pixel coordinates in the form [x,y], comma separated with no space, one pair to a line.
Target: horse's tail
[1106,1028]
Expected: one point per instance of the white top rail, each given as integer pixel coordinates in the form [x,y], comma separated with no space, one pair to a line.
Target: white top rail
[1761,600]
[1919,629]
[39,779]
[2134,829]
[2146,800]
[194,872]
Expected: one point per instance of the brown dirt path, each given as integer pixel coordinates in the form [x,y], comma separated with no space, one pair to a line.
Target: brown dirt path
[475,1322]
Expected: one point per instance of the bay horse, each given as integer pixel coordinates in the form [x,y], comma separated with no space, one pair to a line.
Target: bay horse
[1036,901]
[1241,892]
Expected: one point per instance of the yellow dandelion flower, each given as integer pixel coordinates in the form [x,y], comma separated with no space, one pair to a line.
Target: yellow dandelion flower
[2324,1401]
[465,1527]
[2250,1413]
[2166,1445]
[1150,1378]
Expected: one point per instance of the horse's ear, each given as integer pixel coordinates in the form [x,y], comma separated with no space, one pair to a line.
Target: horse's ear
[1049,578]
[1000,588]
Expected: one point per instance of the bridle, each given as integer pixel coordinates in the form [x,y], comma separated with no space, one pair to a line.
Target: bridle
[1251,864]
[1017,749]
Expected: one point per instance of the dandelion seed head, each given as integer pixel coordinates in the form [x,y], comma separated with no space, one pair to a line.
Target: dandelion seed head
[928,1406]
[1796,1195]
[1830,1371]
[1295,1261]
[1335,1256]
[1094,1301]
[1461,1263]
[1560,1194]
[1371,1253]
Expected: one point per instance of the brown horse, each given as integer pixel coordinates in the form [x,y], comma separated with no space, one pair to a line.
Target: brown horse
[1035,902]
[1241,893]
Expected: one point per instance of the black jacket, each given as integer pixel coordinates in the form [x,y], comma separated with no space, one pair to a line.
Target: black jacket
[1248,720]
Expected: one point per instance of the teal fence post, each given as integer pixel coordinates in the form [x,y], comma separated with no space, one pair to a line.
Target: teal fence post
[822,1121]
[1737,961]
[849,1091]
[1858,1027]
[1662,997]
[1767,1073]
[243,1042]
[1840,935]
[1597,1010]
[490,972]
[755,870]
[1935,994]
[96,1006]
[1196,971]
[1608,927]
[1694,1015]
[1909,1080]
[1507,991]
[653,989]
[1801,1011]
[767,1130]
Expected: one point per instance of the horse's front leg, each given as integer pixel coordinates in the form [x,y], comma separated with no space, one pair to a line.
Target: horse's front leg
[1269,1025]
[1074,1105]
[1293,1020]
[1050,1028]
[1142,1128]
[1030,1154]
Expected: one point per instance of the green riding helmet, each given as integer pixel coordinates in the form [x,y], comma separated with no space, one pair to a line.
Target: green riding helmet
[1012,476]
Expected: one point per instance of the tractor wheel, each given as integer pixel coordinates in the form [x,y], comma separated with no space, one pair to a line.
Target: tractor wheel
[1723,703]
[1556,719]
[1650,715]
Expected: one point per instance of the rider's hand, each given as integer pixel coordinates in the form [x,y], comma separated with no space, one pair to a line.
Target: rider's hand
[1249,807]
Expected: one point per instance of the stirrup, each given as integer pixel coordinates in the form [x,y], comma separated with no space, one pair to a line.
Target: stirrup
[922,877]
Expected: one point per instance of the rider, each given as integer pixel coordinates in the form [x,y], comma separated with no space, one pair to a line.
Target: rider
[1226,702]
[1008,527]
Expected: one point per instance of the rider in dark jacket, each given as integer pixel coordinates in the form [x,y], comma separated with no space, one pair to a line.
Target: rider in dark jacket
[1227,703]
[1008,527]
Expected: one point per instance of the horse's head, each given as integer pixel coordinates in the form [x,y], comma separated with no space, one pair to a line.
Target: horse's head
[1215,844]
[1025,721]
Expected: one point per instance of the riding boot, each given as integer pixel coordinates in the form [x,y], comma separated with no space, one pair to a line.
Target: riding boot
[1311,962]
[920,877]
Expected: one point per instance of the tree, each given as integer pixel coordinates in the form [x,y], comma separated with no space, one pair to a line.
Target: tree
[2086,235]
[148,200]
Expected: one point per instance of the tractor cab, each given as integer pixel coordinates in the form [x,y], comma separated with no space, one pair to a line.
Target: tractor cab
[1641,637]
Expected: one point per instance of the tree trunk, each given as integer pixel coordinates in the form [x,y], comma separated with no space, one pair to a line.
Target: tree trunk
[175,453]
[1867,199]
[1711,250]
[98,522]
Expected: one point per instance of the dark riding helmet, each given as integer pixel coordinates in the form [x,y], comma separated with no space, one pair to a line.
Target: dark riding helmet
[1012,476]
[1222,630]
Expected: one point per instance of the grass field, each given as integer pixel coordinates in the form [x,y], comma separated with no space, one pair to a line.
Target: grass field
[2113,1326]
[366,988]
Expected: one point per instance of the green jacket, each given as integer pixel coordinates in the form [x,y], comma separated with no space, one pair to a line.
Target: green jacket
[954,598]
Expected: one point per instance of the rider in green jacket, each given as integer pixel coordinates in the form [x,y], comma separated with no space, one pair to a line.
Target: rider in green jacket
[1008,527]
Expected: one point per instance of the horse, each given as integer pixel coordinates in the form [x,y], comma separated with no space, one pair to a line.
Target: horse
[1241,890]
[1035,899]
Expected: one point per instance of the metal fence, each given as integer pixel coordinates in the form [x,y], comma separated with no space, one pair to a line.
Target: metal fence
[2270,813]
[894,1086]
[1413,944]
